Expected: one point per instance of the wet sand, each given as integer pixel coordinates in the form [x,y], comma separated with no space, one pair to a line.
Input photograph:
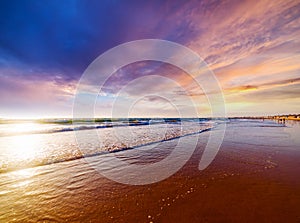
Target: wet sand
[254,178]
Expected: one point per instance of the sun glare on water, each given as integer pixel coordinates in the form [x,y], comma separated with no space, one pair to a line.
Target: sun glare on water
[25,127]
[26,146]
[23,146]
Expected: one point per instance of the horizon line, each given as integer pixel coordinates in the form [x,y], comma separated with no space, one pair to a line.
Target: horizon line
[111,118]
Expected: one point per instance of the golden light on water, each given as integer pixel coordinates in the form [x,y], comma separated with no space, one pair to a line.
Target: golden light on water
[25,173]
[25,146]
[27,127]
[23,177]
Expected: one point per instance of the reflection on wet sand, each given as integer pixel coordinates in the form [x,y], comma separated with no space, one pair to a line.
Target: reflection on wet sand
[253,178]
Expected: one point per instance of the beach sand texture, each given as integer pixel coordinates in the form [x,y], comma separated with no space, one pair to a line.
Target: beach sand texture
[254,178]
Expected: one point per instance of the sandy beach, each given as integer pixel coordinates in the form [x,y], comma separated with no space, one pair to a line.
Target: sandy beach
[149,111]
[254,177]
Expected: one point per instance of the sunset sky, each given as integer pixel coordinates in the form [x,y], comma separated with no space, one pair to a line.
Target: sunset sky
[253,48]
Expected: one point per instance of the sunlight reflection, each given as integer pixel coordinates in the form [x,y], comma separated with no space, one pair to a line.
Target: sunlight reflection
[23,177]
[24,173]
[26,146]
[20,128]
[21,147]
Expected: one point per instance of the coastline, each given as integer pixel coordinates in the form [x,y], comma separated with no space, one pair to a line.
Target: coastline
[274,117]
[253,178]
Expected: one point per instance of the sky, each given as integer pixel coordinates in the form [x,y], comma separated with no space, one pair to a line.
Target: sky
[252,47]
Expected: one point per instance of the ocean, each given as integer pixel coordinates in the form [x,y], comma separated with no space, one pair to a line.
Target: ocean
[46,177]
[35,143]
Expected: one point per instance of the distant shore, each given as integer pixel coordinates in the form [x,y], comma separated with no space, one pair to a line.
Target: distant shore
[275,117]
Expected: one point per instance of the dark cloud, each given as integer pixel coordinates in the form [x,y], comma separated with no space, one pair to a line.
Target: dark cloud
[65,36]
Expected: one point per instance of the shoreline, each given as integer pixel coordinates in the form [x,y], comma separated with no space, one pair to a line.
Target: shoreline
[275,117]
[254,177]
